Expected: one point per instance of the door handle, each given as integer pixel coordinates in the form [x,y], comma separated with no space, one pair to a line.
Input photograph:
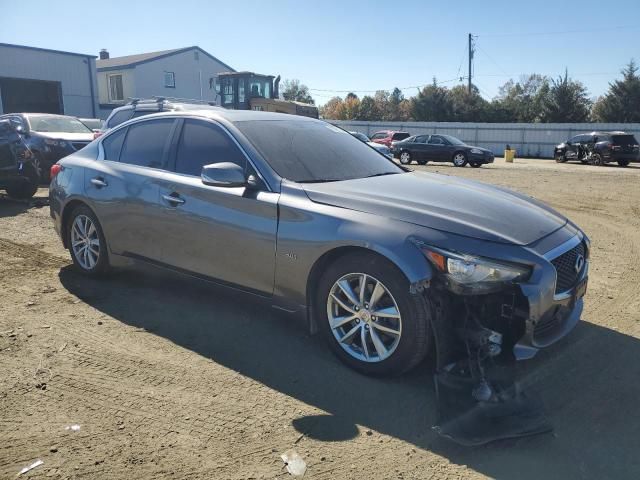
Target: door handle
[99,182]
[174,199]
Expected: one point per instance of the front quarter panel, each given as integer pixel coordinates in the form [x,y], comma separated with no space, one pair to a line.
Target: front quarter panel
[309,230]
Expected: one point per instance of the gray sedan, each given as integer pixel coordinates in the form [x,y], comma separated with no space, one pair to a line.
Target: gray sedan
[385,263]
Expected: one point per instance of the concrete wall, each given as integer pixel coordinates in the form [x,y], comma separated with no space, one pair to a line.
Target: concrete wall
[76,73]
[529,139]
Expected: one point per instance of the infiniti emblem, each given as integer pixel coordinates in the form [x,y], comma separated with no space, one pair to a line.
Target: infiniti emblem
[579,263]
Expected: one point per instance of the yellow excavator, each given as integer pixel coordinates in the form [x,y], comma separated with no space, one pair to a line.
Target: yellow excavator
[252,91]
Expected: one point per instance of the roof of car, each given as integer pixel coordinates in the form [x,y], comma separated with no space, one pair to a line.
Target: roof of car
[233,115]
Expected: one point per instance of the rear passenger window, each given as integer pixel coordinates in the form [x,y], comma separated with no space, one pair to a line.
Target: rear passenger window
[119,117]
[145,143]
[112,144]
[202,144]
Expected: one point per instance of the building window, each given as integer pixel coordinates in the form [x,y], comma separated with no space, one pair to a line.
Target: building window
[169,80]
[116,92]
[241,90]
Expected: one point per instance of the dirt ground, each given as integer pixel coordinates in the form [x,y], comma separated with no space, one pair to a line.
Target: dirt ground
[172,378]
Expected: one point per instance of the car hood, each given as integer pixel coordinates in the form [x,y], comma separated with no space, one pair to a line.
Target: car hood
[445,203]
[73,137]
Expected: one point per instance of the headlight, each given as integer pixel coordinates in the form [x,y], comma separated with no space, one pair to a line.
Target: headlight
[476,151]
[475,274]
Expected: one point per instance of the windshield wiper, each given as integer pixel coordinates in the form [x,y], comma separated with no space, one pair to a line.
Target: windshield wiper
[320,180]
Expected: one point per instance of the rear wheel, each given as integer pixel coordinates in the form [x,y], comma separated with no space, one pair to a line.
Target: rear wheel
[405,157]
[460,159]
[86,242]
[623,163]
[475,164]
[369,318]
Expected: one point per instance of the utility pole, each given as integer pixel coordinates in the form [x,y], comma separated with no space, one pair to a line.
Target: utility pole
[470,62]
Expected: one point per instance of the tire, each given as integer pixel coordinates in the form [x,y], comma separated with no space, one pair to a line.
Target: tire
[596,159]
[27,188]
[560,157]
[422,162]
[44,169]
[405,157]
[399,352]
[475,164]
[623,163]
[78,231]
[459,159]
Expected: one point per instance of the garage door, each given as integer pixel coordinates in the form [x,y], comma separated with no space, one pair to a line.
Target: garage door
[24,95]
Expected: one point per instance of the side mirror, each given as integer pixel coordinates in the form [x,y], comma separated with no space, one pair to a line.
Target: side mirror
[19,129]
[224,174]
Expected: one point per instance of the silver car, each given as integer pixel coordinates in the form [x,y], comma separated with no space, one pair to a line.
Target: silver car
[387,264]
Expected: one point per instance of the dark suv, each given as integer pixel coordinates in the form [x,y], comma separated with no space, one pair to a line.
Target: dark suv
[599,148]
[19,171]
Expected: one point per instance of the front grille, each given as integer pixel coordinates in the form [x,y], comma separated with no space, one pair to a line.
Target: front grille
[565,264]
[79,145]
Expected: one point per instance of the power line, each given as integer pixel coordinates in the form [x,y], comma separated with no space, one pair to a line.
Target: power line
[384,89]
[560,32]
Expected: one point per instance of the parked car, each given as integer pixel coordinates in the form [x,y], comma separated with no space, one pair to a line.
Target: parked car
[139,107]
[599,148]
[19,171]
[440,148]
[385,137]
[50,137]
[300,213]
[94,124]
[383,149]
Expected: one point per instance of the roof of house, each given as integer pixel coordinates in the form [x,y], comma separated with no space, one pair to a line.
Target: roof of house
[130,61]
[46,50]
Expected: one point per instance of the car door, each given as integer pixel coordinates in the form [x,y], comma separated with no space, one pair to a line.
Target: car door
[222,233]
[124,189]
[573,147]
[436,149]
[418,147]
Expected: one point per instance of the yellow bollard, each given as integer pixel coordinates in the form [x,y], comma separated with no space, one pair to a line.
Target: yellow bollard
[509,155]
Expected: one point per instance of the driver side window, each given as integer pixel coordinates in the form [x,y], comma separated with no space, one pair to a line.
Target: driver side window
[434,140]
[203,143]
[421,139]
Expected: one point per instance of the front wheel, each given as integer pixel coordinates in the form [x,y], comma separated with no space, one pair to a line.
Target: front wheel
[459,159]
[475,164]
[86,242]
[369,318]
[405,158]
[560,157]
[422,162]
[623,163]
[27,187]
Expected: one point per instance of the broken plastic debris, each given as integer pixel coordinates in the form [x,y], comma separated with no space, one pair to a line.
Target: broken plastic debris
[35,464]
[73,428]
[296,466]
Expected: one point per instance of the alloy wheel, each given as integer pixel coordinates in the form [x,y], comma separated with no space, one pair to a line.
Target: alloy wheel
[364,317]
[459,160]
[85,242]
[405,158]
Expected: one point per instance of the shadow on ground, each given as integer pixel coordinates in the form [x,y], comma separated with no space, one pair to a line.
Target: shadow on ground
[10,207]
[590,383]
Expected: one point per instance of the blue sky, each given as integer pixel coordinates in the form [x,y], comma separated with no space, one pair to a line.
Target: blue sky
[351,44]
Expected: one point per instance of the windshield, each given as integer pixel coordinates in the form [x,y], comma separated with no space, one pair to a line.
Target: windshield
[453,140]
[48,123]
[360,136]
[313,151]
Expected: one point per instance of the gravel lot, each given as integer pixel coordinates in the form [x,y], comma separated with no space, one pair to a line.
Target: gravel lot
[171,378]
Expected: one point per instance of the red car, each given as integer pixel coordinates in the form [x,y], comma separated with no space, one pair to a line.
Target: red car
[385,137]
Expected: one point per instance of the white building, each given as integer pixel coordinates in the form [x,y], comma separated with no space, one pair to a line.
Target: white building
[47,81]
[180,73]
